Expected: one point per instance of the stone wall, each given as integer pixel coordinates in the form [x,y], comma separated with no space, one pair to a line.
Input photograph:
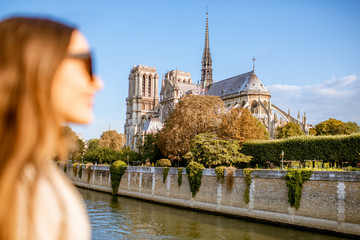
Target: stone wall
[330,200]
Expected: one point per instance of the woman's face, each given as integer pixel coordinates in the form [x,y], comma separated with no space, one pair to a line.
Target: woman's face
[73,88]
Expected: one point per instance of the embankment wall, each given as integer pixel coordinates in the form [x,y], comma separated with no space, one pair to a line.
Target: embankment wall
[330,201]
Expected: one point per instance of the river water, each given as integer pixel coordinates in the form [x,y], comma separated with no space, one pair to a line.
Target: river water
[124,218]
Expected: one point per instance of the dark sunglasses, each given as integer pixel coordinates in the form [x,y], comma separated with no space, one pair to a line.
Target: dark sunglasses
[87,59]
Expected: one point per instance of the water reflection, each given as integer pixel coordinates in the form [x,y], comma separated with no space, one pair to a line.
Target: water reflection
[123,218]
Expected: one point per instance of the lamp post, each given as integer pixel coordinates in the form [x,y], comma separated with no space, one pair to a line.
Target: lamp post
[282,160]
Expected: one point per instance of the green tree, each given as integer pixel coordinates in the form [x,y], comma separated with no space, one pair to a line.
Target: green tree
[289,130]
[194,114]
[150,150]
[112,139]
[210,151]
[312,131]
[331,127]
[92,144]
[128,155]
[352,127]
[101,155]
[240,125]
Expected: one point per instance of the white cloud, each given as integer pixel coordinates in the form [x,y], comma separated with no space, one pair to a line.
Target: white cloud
[342,82]
[335,98]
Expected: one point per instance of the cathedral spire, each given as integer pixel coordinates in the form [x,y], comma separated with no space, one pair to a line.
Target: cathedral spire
[206,71]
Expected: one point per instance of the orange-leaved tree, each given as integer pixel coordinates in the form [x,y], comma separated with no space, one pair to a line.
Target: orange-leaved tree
[112,139]
[194,114]
[239,124]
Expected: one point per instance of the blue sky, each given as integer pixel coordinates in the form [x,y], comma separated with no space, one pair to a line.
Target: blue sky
[307,52]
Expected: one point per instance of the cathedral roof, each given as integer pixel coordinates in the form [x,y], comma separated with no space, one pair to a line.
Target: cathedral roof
[186,87]
[151,126]
[254,84]
[228,86]
[241,83]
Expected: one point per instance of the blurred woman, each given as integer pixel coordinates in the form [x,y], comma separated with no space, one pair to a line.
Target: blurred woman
[46,80]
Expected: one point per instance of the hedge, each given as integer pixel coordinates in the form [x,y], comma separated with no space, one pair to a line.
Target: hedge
[340,148]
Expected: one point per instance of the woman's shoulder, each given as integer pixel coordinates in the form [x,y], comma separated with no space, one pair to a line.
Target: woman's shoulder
[57,208]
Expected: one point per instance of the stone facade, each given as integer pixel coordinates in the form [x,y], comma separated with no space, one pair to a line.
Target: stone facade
[142,102]
[175,85]
[330,200]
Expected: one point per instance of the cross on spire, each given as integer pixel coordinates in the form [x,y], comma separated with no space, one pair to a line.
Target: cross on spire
[253,59]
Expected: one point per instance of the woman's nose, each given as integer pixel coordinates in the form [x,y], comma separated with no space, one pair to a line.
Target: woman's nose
[98,83]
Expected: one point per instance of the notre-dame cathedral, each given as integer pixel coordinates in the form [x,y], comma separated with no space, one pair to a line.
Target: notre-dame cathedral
[146,113]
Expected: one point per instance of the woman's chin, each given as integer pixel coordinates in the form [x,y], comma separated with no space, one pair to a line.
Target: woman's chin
[86,119]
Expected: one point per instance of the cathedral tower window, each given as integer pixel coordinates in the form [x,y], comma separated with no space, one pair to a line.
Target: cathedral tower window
[149,87]
[143,86]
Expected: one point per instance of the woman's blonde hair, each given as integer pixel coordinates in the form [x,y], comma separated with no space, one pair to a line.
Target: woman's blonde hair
[31,50]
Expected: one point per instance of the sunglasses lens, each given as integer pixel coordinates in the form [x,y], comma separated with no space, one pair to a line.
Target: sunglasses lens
[89,67]
[86,58]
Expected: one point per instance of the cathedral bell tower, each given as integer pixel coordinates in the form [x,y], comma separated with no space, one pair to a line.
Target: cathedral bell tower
[206,70]
[142,102]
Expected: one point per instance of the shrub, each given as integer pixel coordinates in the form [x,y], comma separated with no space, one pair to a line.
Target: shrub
[194,171]
[327,148]
[180,169]
[80,170]
[230,175]
[88,172]
[294,181]
[220,173]
[117,170]
[352,169]
[164,162]
[165,173]
[75,168]
[247,179]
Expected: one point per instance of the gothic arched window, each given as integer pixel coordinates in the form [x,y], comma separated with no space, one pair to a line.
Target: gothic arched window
[149,87]
[265,104]
[143,86]
[254,106]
